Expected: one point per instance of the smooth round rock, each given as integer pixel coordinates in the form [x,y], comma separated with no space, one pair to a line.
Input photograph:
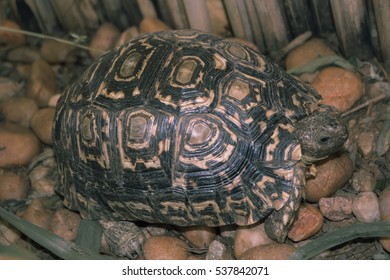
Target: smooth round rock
[228,231]
[8,234]
[311,49]
[18,145]
[23,54]
[332,174]
[307,223]
[365,207]
[53,100]
[273,251]
[41,84]
[19,110]
[37,214]
[336,208]
[127,35]
[165,248]
[13,186]
[8,88]
[199,236]
[363,181]
[103,40]
[53,51]
[42,180]
[248,237]
[384,202]
[338,87]
[65,223]
[149,25]
[11,38]
[42,124]
[218,251]
[366,143]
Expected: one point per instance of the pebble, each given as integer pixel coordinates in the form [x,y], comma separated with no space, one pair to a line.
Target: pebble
[307,223]
[228,231]
[8,88]
[384,202]
[199,236]
[24,70]
[363,181]
[365,207]
[11,38]
[366,142]
[218,251]
[23,54]
[157,229]
[273,251]
[103,40]
[12,186]
[42,180]
[19,110]
[385,241]
[165,248]
[18,145]
[65,223]
[42,124]
[41,84]
[149,25]
[338,87]
[336,208]
[53,51]
[307,52]
[248,237]
[37,214]
[54,100]
[127,35]
[332,174]
[8,234]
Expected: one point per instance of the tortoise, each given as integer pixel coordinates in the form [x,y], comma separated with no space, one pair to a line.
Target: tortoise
[186,128]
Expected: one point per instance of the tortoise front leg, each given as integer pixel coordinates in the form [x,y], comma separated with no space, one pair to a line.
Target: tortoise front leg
[279,222]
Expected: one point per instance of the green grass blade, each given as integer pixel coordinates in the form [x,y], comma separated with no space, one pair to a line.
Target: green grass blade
[321,62]
[58,246]
[342,235]
[89,235]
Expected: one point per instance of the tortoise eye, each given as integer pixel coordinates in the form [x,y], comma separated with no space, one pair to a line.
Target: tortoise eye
[87,127]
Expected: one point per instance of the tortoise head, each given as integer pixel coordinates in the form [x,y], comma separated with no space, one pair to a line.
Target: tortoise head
[320,135]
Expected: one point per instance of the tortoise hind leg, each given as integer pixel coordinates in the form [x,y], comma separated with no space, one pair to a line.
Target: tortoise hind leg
[279,222]
[124,238]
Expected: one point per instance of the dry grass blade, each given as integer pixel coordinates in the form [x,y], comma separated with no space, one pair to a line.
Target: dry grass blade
[365,104]
[42,36]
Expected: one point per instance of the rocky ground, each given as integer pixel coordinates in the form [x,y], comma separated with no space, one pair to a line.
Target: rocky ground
[350,187]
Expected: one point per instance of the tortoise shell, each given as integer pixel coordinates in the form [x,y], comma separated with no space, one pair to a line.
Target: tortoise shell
[184,128]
